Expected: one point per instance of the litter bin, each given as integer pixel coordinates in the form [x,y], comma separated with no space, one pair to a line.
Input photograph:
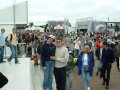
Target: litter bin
[21,49]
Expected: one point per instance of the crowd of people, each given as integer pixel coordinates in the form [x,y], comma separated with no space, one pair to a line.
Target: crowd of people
[54,53]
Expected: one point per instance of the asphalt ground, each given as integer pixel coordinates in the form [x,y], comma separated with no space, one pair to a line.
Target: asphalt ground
[96,82]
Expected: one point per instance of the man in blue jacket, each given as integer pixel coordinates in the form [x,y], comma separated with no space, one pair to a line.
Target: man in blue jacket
[48,50]
[108,57]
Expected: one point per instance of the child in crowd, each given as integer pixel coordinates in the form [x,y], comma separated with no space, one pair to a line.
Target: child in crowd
[69,70]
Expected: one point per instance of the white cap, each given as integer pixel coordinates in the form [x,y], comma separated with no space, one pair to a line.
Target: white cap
[52,36]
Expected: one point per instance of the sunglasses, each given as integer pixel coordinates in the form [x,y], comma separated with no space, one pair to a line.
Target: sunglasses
[58,41]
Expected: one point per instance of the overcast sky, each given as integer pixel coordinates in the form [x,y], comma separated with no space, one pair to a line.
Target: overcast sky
[43,10]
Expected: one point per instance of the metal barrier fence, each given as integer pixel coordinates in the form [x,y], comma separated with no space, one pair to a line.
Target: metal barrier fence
[22,50]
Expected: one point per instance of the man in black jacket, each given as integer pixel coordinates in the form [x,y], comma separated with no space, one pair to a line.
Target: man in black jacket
[108,57]
[48,50]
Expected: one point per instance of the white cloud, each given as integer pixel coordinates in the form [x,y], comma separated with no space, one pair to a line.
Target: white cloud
[44,10]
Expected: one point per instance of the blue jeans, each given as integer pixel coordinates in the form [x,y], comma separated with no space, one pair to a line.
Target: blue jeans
[1,53]
[13,53]
[76,52]
[86,78]
[48,75]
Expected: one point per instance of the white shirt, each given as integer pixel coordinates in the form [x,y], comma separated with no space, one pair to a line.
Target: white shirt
[85,59]
[77,44]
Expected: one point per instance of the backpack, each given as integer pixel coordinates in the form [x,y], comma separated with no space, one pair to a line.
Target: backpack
[6,40]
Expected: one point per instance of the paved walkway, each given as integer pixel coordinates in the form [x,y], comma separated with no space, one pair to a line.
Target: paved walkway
[96,82]
[20,77]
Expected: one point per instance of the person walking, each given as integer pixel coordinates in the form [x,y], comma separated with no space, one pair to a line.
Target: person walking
[61,58]
[108,57]
[2,45]
[69,70]
[85,66]
[13,46]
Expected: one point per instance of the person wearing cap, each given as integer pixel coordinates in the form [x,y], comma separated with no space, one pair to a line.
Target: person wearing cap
[108,57]
[85,66]
[48,50]
[61,58]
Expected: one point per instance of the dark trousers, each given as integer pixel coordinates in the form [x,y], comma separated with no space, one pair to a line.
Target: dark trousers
[60,77]
[117,60]
[106,69]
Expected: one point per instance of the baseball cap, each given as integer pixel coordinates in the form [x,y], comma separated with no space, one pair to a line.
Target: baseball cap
[51,36]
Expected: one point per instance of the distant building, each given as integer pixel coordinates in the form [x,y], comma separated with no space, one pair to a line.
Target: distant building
[57,26]
[89,25]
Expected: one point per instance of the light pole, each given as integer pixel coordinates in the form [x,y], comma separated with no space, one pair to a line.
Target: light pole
[14,15]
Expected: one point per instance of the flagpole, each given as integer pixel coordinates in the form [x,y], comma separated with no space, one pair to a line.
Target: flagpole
[14,15]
